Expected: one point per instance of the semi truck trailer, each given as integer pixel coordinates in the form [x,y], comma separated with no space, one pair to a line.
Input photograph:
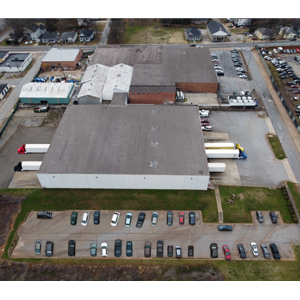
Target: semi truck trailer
[219,145]
[33,148]
[27,166]
[225,153]
[216,167]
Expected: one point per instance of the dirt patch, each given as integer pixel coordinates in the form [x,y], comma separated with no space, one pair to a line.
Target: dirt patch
[241,196]
[9,207]
[41,272]
[53,117]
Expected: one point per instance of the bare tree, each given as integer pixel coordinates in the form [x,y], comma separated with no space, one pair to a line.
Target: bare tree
[116,27]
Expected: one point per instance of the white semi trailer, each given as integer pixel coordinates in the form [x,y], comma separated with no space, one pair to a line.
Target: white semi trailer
[219,145]
[225,153]
[216,167]
[33,148]
[28,166]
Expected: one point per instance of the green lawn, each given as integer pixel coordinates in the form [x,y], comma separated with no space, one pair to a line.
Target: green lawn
[276,146]
[251,199]
[65,199]
[295,193]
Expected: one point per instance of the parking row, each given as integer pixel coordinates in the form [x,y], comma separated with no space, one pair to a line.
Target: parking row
[238,64]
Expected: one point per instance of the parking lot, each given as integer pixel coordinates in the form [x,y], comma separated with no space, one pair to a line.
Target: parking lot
[200,235]
[261,168]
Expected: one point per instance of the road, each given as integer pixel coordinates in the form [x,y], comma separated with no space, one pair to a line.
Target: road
[105,33]
[6,34]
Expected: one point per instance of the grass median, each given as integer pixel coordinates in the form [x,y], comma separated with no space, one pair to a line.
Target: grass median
[276,146]
[252,199]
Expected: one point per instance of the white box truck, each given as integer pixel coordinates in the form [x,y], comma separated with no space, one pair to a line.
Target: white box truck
[216,167]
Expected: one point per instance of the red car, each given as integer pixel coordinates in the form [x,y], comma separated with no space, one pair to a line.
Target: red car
[205,121]
[298,50]
[254,38]
[181,218]
[226,252]
[293,86]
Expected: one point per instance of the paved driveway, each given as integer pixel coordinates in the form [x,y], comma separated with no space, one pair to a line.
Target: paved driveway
[201,235]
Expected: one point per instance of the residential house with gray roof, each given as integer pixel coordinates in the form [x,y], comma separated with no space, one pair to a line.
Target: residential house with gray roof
[217,32]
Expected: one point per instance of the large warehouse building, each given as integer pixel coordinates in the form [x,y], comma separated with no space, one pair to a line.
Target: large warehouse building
[123,146]
[159,71]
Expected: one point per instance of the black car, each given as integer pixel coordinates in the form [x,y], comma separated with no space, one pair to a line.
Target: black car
[241,250]
[273,217]
[44,215]
[129,249]
[220,73]
[140,220]
[74,215]
[192,45]
[49,249]
[71,248]
[147,249]
[160,248]
[118,248]
[259,217]
[275,251]
[192,218]
[170,251]
[283,77]
[97,217]
[225,227]
[169,218]
[214,250]
[190,251]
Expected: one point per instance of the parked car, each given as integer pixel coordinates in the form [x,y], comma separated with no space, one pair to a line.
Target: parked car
[265,250]
[206,127]
[226,252]
[85,218]
[254,38]
[49,248]
[275,251]
[273,217]
[219,73]
[115,219]
[103,249]
[234,51]
[128,219]
[214,250]
[73,220]
[178,252]
[71,248]
[243,76]
[38,247]
[129,249]
[154,218]
[190,251]
[192,218]
[297,50]
[140,220]
[97,217]
[170,251]
[147,249]
[192,45]
[44,215]
[181,218]
[259,217]
[118,248]
[93,249]
[169,218]
[160,248]
[254,248]
[241,250]
[224,227]
[203,113]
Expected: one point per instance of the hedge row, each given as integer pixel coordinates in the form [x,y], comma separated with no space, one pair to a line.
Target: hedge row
[289,204]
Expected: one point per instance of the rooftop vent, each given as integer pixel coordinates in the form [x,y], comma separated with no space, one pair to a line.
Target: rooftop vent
[154,128]
[153,164]
[155,111]
[154,144]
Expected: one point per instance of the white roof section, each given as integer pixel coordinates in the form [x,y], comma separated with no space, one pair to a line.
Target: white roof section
[220,33]
[95,72]
[46,90]
[61,54]
[91,88]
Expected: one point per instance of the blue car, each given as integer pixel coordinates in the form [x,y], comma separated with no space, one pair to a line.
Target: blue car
[225,227]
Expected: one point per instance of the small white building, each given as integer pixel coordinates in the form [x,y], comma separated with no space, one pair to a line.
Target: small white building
[241,22]
[16,62]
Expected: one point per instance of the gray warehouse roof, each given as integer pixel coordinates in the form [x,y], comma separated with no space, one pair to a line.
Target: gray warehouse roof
[132,139]
[61,54]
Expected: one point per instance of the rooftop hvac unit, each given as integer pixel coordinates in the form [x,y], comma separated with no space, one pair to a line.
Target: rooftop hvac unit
[238,98]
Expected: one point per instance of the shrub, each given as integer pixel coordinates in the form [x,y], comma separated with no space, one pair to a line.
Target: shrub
[290,204]
[291,210]
[283,188]
[287,197]
[285,193]
[295,220]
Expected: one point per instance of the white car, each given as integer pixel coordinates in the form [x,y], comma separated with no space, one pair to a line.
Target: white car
[254,248]
[243,76]
[206,128]
[204,113]
[275,51]
[154,218]
[115,219]
[198,46]
[104,249]
[128,219]
[85,218]
[213,60]
[218,67]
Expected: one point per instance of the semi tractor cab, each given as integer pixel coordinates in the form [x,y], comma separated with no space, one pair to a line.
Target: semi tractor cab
[242,155]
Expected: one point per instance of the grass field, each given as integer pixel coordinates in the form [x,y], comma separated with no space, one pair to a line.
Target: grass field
[251,199]
[295,193]
[276,146]
[65,199]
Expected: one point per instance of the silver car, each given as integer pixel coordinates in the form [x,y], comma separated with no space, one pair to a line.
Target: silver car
[128,219]
[154,218]
[254,248]
[265,251]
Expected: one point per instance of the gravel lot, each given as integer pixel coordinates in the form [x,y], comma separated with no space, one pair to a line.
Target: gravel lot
[201,235]
[261,167]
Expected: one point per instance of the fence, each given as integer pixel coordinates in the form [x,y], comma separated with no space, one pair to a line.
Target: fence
[8,119]
[295,121]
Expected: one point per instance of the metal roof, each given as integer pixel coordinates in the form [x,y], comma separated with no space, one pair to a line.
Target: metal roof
[46,90]
[61,54]
[95,72]
[91,88]
[131,139]
[15,59]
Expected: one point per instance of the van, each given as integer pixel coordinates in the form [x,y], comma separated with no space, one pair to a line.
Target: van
[44,215]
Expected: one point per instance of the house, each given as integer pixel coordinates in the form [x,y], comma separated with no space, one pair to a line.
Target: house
[241,22]
[216,32]
[193,34]
[16,38]
[33,32]
[264,33]
[4,55]
[86,35]
[68,37]
[288,33]
[50,37]
[61,58]
[4,88]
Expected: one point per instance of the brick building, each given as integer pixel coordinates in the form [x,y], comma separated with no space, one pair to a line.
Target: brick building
[61,58]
